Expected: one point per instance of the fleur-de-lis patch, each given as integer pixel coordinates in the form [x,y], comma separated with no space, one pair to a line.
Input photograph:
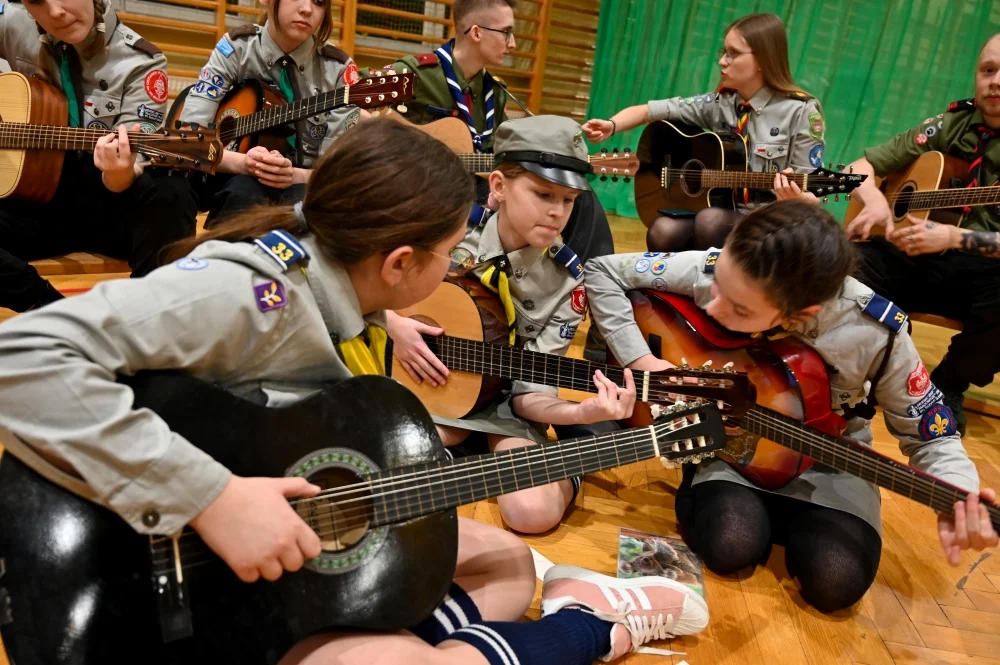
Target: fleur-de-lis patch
[270,295]
[937,422]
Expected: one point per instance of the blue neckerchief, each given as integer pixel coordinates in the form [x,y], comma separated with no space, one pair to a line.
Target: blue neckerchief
[448,67]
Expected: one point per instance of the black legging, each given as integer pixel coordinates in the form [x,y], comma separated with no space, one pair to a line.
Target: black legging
[705,230]
[833,554]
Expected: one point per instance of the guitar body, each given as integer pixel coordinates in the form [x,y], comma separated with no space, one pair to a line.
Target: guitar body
[78,585]
[246,98]
[451,131]
[30,175]
[464,308]
[929,172]
[790,377]
[679,146]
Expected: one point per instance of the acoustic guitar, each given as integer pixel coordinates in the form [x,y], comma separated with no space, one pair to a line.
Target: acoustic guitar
[480,361]
[254,113]
[79,585]
[34,134]
[792,426]
[454,133]
[928,189]
[688,169]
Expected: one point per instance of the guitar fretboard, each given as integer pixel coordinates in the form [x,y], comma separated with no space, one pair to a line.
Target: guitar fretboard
[285,114]
[709,178]
[949,198]
[19,136]
[482,162]
[858,460]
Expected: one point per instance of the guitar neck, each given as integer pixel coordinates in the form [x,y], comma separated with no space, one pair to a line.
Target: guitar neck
[856,459]
[481,162]
[404,493]
[749,179]
[19,136]
[284,114]
[949,198]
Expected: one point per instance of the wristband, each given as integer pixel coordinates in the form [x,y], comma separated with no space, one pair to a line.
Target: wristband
[614,127]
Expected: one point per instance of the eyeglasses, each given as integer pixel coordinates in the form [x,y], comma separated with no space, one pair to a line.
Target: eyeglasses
[455,268]
[508,33]
[729,56]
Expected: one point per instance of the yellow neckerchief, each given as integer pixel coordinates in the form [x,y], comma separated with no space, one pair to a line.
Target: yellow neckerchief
[495,279]
[365,357]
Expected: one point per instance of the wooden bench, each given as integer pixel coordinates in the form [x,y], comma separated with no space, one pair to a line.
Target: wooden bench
[80,263]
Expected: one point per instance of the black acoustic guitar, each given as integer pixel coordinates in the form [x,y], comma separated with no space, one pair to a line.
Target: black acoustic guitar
[78,585]
[684,168]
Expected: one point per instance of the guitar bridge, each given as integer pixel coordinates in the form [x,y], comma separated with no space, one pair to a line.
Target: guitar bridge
[172,597]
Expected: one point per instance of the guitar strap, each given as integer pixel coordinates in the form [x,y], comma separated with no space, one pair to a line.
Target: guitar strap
[462,102]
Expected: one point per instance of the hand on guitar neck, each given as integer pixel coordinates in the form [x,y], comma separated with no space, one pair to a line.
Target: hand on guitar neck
[970,528]
[114,157]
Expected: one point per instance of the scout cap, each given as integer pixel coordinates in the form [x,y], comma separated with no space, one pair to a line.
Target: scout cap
[550,146]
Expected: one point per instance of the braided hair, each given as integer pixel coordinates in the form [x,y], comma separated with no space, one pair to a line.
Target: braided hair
[48,64]
[796,251]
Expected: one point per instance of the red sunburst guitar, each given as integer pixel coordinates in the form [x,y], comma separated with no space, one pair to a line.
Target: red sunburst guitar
[793,405]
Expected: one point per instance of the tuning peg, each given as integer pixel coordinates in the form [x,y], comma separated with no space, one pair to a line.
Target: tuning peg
[847,197]
[195,126]
[826,199]
[627,179]
[728,367]
[604,178]
[628,151]
[684,363]
[851,170]
[177,124]
[614,178]
[836,198]
[840,167]
[604,151]
[706,364]
[211,125]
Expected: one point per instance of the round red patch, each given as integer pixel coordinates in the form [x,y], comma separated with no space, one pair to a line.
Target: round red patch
[579,300]
[156,85]
[351,75]
[920,139]
[919,381]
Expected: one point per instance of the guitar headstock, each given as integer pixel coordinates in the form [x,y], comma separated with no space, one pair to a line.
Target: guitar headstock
[732,391]
[191,147]
[381,89]
[826,182]
[614,164]
[687,433]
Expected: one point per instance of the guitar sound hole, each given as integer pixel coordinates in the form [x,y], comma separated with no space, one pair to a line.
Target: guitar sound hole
[901,206]
[340,516]
[691,177]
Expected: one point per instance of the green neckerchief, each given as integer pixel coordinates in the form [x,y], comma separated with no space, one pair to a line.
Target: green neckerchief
[285,83]
[69,90]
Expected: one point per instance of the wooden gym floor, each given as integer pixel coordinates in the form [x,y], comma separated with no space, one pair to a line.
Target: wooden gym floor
[919,610]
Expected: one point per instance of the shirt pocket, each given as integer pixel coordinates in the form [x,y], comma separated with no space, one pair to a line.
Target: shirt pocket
[100,110]
[771,156]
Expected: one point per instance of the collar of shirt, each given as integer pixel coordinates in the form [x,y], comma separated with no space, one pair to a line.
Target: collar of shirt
[490,247]
[331,277]
[475,84]
[833,312]
[273,53]
[761,99]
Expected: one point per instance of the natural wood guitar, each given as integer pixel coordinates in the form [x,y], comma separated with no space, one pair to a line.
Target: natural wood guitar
[926,190]
[253,113]
[688,169]
[476,352]
[453,132]
[34,136]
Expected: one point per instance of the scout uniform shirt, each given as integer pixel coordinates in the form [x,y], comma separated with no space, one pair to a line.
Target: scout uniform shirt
[783,129]
[249,52]
[433,98]
[547,291]
[960,132]
[123,83]
[234,314]
[849,336]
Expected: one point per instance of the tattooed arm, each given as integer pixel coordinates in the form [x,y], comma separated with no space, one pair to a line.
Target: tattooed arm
[930,237]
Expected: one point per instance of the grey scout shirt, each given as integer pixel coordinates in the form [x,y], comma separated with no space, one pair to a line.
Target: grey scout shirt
[846,337]
[549,300]
[250,53]
[784,129]
[123,83]
[212,314]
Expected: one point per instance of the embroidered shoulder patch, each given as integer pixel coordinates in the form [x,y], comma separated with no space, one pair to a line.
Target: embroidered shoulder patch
[426,59]
[270,295]
[885,312]
[578,299]
[568,258]
[283,248]
[224,47]
[711,259]
[937,422]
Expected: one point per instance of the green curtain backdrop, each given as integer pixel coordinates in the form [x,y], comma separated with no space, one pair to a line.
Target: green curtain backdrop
[878,66]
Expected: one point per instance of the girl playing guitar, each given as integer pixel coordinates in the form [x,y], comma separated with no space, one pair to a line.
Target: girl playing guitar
[782,125]
[785,270]
[275,320]
[290,53]
[112,79]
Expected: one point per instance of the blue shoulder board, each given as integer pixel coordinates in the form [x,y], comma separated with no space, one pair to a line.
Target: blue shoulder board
[224,47]
[710,260]
[283,248]
[479,215]
[885,312]
[3,7]
[568,258]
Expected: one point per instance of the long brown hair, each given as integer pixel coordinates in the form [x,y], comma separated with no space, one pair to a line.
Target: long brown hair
[381,186]
[322,34]
[796,251]
[765,33]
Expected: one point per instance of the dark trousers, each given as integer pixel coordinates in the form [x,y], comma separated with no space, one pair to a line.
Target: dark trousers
[955,285]
[226,195]
[83,216]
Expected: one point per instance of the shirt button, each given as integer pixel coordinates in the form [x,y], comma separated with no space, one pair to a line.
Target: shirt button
[150,518]
[519,273]
[813,334]
[103,84]
[529,329]
[270,63]
[302,68]
[482,257]
[529,305]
